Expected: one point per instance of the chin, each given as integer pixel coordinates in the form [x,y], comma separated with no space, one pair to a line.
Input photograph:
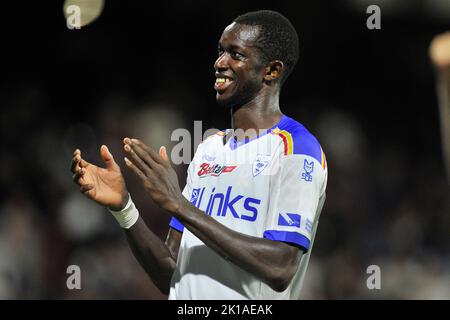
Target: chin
[223,101]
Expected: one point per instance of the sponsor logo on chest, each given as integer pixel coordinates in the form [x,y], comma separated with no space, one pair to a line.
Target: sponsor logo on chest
[213,170]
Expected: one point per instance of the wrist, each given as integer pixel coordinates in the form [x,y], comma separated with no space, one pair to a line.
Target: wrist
[181,208]
[127,216]
[125,200]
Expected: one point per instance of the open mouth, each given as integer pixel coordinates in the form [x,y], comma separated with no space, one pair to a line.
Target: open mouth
[222,83]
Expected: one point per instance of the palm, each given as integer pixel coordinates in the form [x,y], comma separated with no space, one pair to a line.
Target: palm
[108,185]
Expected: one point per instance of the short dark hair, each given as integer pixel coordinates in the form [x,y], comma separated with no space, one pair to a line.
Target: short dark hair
[278,39]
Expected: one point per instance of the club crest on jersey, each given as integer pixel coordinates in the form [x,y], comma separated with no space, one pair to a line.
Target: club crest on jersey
[308,168]
[214,170]
[261,162]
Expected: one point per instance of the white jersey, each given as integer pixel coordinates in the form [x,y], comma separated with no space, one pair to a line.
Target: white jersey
[271,186]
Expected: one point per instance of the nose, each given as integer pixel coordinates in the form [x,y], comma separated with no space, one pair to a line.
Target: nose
[221,62]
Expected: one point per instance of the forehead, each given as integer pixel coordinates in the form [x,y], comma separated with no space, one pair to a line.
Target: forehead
[240,35]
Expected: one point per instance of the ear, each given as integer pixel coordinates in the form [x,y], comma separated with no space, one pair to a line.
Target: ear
[273,70]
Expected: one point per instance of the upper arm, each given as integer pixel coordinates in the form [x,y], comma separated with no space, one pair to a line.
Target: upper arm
[173,241]
[297,191]
[295,202]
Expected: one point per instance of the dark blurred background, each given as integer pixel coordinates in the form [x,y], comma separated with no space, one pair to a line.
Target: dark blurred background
[145,68]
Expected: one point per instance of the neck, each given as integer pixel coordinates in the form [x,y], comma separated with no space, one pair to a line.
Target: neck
[263,112]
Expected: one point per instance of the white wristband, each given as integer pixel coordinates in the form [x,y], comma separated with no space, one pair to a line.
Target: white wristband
[128,216]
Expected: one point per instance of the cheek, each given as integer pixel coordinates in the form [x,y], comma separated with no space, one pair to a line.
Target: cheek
[249,75]
[251,79]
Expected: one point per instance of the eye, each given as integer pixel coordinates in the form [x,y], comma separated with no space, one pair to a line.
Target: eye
[237,55]
[219,51]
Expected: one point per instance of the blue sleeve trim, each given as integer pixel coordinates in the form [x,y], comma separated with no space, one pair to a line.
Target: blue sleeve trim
[287,236]
[175,224]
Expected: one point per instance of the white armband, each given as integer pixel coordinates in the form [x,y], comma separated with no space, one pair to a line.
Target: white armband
[128,216]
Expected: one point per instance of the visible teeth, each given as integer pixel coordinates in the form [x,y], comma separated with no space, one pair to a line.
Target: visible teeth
[222,80]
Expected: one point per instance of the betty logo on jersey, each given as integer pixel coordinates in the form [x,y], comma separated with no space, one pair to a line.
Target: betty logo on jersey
[214,170]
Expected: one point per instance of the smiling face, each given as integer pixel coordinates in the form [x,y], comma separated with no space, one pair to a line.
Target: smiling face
[239,69]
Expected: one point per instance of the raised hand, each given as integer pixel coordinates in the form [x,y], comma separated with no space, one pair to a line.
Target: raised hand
[155,173]
[105,186]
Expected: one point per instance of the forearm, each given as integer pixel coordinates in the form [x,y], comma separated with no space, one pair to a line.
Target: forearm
[152,253]
[273,262]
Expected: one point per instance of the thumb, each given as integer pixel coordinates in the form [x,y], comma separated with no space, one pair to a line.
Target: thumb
[108,158]
[163,154]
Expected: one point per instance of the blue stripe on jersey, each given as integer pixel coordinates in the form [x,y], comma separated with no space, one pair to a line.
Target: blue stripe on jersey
[287,236]
[304,142]
[177,225]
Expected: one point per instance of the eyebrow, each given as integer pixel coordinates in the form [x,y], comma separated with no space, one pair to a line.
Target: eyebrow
[231,47]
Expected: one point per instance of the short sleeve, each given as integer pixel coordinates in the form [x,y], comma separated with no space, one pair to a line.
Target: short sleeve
[296,190]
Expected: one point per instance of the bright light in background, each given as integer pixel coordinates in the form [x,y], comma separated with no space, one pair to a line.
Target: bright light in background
[90,9]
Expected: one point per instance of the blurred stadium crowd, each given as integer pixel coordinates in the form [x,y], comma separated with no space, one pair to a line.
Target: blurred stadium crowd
[143,70]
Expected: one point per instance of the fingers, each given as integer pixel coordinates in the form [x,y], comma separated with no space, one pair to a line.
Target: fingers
[163,154]
[78,175]
[83,163]
[77,162]
[78,167]
[108,158]
[74,165]
[154,156]
[84,189]
[136,159]
[136,170]
[77,151]
[141,153]
[140,163]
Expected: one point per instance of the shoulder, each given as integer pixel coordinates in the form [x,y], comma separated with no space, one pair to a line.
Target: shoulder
[298,140]
[211,142]
[214,137]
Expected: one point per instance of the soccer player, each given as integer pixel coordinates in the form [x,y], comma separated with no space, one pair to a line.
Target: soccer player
[440,56]
[244,225]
